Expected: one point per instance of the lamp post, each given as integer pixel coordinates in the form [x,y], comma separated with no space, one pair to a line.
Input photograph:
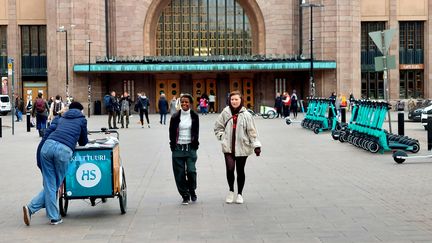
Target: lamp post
[311,70]
[63,29]
[88,80]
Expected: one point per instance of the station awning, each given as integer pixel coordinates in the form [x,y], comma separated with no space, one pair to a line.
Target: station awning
[202,67]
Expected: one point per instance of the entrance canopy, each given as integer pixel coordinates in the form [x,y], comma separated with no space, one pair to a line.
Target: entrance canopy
[190,64]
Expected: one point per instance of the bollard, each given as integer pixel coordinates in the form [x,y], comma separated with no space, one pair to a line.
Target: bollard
[28,121]
[343,115]
[1,128]
[429,132]
[401,123]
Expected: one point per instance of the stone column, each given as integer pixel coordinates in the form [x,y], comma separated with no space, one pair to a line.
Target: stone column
[348,47]
[14,46]
[393,77]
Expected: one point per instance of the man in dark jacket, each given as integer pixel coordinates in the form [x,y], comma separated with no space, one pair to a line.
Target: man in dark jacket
[112,108]
[55,156]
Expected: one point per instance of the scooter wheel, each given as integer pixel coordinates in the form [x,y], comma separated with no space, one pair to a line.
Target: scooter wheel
[397,156]
[316,130]
[374,147]
[416,147]
[335,135]
[288,121]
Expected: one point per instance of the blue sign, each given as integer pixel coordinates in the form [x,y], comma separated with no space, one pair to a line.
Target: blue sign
[89,174]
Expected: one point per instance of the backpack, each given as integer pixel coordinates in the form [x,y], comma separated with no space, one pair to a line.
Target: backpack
[40,105]
[57,108]
[107,101]
[203,102]
[144,103]
[294,98]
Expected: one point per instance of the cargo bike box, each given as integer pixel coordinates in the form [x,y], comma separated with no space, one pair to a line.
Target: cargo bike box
[95,172]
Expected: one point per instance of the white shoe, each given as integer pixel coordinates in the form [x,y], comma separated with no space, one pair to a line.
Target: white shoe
[230,197]
[239,199]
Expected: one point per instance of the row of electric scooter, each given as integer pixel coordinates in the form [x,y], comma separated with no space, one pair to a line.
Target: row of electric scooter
[364,130]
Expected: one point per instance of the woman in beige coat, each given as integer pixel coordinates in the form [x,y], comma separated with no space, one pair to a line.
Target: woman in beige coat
[236,130]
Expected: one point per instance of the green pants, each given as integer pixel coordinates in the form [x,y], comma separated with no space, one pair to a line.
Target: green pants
[184,169]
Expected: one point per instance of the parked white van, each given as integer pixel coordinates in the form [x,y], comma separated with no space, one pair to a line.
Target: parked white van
[5,104]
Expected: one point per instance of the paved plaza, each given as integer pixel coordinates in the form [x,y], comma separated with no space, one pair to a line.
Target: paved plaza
[303,188]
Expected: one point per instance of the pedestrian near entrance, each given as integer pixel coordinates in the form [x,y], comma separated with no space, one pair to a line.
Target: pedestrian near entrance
[125,103]
[19,108]
[286,100]
[111,107]
[184,142]
[144,103]
[40,111]
[235,128]
[55,156]
[294,103]
[163,108]
[172,106]
[212,101]
[56,106]
[278,104]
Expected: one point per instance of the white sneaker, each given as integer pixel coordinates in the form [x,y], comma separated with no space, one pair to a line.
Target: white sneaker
[230,197]
[239,199]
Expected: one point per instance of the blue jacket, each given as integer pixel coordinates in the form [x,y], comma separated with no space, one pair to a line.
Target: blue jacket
[71,128]
[163,106]
[48,131]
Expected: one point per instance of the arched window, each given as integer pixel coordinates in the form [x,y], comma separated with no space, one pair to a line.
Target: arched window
[203,28]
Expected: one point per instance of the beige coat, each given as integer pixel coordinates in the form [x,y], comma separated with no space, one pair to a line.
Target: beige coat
[246,132]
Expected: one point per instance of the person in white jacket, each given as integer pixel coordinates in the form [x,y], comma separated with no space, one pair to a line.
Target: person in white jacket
[235,128]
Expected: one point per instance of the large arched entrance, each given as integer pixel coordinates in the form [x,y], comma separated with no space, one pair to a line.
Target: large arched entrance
[250,8]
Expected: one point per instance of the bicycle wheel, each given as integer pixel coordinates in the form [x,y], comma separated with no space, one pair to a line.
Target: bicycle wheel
[271,114]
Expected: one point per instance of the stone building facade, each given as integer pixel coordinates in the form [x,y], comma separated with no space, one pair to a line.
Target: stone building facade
[129,28]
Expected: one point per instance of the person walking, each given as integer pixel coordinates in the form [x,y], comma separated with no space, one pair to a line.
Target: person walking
[55,156]
[118,108]
[337,105]
[144,103]
[294,104]
[286,100]
[212,102]
[235,128]
[40,111]
[19,108]
[163,108]
[111,106]
[125,103]
[172,105]
[203,105]
[278,104]
[56,106]
[184,142]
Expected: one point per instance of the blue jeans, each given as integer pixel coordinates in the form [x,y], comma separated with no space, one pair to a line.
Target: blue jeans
[18,114]
[41,122]
[55,159]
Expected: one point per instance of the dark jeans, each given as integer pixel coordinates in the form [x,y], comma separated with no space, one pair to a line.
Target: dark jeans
[125,113]
[211,107]
[144,112]
[286,111]
[41,124]
[294,110]
[163,118]
[112,115]
[183,161]
[231,163]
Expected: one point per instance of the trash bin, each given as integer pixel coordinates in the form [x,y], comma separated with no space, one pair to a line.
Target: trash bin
[97,107]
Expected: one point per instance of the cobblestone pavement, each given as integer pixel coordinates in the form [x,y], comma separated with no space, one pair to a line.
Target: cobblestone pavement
[303,188]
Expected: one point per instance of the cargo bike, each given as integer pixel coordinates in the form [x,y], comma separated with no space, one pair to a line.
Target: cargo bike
[95,172]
